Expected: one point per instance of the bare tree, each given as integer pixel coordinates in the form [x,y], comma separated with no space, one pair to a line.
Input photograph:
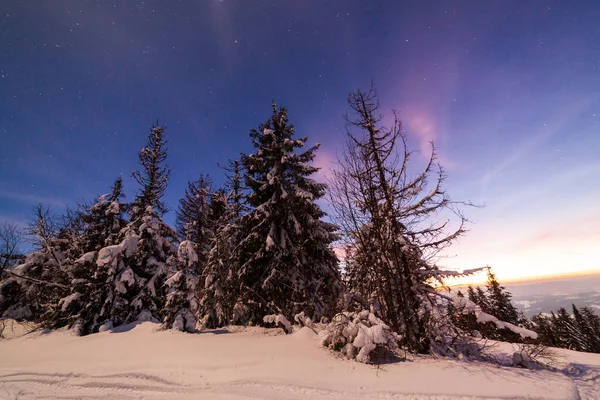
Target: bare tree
[387,217]
[10,239]
[44,228]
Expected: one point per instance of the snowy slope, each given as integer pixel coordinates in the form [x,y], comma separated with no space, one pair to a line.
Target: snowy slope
[145,363]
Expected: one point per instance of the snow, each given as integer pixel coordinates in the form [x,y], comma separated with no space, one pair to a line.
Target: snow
[468,306]
[269,242]
[126,277]
[187,253]
[113,209]
[278,319]
[141,361]
[107,254]
[64,303]
[86,258]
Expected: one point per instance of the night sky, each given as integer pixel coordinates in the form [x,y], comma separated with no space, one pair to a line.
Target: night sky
[509,91]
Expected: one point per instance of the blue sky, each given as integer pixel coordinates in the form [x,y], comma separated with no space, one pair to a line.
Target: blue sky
[508,90]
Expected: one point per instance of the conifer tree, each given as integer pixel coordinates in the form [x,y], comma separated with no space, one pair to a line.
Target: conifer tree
[181,305]
[193,220]
[587,341]
[103,222]
[591,322]
[500,300]
[235,188]
[286,263]
[154,176]
[220,291]
[579,331]
[137,267]
[472,294]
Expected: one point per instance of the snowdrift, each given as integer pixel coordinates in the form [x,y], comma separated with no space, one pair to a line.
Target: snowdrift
[139,361]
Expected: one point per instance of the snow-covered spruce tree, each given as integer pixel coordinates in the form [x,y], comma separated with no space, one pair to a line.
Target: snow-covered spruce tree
[105,219]
[137,267]
[219,293]
[136,270]
[500,300]
[194,222]
[220,286]
[385,215]
[154,176]
[103,222]
[287,265]
[590,326]
[580,331]
[141,284]
[181,308]
[235,189]
[495,300]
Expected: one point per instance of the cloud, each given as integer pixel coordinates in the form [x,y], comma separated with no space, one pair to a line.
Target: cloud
[31,199]
[424,127]
[537,136]
[326,161]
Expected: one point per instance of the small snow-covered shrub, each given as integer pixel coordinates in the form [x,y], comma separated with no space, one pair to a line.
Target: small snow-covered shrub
[278,319]
[357,334]
[532,355]
[303,320]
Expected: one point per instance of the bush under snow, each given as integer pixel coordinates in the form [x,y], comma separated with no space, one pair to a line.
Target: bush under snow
[278,319]
[357,334]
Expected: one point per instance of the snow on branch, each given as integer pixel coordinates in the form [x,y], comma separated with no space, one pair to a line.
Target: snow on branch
[278,319]
[27,278]
[468,306]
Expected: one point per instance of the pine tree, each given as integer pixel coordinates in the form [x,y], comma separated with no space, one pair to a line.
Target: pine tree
[497,302]
[483,302]
[473,296]
[500,300]
[219,295]
[584,341]
[592,328]
[137,267]
[565,330]
[286,263]
[542,324]
[103,222]
[579,331]
[181,305]
[154,176]
[235,188]
[193,221]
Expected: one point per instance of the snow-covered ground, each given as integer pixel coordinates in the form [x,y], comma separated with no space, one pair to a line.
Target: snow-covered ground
[141,362]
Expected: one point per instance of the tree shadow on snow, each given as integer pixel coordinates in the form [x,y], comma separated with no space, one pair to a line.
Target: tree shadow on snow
[382,356]
[220,331]
[126,327]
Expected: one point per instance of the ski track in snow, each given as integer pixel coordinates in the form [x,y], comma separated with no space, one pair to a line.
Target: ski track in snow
[144,364]
[30,385]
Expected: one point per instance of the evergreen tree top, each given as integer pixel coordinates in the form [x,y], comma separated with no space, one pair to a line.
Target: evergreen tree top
[154,175]
[275,170]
